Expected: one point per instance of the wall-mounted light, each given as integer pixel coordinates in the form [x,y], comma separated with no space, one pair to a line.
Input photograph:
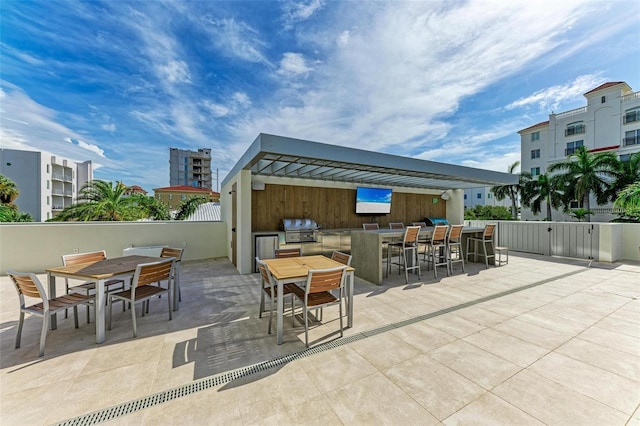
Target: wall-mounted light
[445,195]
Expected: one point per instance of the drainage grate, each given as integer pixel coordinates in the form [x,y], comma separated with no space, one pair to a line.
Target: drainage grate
[229,376]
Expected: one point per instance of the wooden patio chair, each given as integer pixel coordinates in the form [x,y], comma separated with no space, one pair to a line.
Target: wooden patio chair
[486,238]
[288,252]
[269,288]
[27,284]
[454,246]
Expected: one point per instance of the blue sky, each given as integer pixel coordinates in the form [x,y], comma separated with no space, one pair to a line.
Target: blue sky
[121,82]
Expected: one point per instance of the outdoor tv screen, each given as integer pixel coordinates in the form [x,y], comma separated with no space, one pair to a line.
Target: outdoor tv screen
[373,200]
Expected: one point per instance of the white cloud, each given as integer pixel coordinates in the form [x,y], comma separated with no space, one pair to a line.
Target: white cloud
[88,146]
[293,64]
[175,71]
[109,127]
[215,109]
[235,39]
[551,98]
[296,11]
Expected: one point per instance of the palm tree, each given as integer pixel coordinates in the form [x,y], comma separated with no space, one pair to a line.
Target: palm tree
[629,199]
[100,201]
[188,207]
[8,190]
[627,173]
[587,173]
[150,207]
[547,189]
[512,191]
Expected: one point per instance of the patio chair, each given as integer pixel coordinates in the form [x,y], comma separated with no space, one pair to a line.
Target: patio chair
[454,246]
[396,225]
[487,238]
[370,226]
[142,288]
[319,293]
[27,284]
[269,288]
[438,252]
[176,253]
[408,247]
[288,252]
[88,288]
[424,240]
[341,257]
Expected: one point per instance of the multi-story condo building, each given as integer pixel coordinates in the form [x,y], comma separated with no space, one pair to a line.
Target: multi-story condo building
[190,168]
[483,196]
[609,122]
[47,182]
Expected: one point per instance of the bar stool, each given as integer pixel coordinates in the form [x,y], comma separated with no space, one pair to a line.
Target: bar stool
[438,250]
[454,245]
[487,238]
[409,247]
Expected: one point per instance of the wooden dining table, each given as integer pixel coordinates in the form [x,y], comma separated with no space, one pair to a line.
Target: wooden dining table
[296,269]
[97,272]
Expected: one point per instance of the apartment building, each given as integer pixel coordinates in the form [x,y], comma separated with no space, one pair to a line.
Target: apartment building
[610,122]
[190,168]
[483,196]
[172,196]
[47,182]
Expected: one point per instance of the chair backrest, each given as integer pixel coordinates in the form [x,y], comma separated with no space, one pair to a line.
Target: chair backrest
[319,280]
[396,225]
[265,274]
[488,232]
[411,234]
[370,226]
[455,233]
[172,252]
[149,273]
[341,257]
[439,234]
[27,284]
[420,224]
[79,258]
[288,252]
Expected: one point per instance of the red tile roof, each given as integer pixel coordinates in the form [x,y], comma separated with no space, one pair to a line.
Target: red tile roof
[605,86]
[544,123]
[604,148]
[184,188]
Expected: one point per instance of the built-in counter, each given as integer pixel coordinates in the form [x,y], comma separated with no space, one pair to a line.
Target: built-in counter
[366,249]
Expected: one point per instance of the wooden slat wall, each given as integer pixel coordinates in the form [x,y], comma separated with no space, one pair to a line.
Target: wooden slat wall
[334,208]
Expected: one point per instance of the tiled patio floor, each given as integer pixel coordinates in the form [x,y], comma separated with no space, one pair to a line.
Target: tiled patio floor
[532,342]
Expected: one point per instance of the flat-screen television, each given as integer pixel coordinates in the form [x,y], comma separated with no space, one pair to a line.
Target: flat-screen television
[373,200]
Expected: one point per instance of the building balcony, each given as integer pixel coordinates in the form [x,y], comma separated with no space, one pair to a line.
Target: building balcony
[57,176]
[631,117]
[576,130]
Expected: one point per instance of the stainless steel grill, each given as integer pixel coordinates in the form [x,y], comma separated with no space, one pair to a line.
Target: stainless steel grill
[299,230]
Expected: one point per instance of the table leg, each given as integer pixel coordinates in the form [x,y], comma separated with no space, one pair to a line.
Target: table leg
[52,293]
[279,320]
[350,299]
[100,311]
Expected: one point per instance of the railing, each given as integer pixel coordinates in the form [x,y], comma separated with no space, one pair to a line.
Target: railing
[571,113]
[68,178]
[631,96]
[68,194]
[606,210]
[57,176]
[57,208]
[57,192]
[634,140]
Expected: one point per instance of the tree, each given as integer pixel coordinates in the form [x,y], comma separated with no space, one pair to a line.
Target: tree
[512,191]
[629,200]
[586,173]
[8,209]
[481,212]
[8,190]
[625,174]
[546,189]
[189,206]
[150,207]
[100,201]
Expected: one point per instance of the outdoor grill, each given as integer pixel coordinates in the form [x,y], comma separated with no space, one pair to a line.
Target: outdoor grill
[299,230]
[435,221]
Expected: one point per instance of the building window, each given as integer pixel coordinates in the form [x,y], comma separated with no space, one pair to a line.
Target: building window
[632,137]
[535,171]
[576,128]
[631,115]
[535,153]
[47,183]
[489,195]
[47,168]
[183,197]
[479,196]
[535,136]
[171,196]
[573,205]
[573,147]
[625,157]
[465,196]
[603,99]
[48,200]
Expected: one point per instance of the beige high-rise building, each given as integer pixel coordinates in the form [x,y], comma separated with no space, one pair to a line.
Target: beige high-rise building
[190,168]
[47,182]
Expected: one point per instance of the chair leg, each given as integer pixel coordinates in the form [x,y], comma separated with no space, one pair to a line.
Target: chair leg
[306,328]
[133,317]
[270,313]
[486,259]
[43,333]
[108,312]
[261,303]
[88,314]
[19,333]
[75,316]
[341,322]
[170,298]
